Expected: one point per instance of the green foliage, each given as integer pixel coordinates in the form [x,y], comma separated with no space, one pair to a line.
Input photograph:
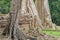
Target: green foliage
[4,6]
[34,1]
[55,11]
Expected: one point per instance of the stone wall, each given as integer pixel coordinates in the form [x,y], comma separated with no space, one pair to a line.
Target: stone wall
[4,20]
[24,21]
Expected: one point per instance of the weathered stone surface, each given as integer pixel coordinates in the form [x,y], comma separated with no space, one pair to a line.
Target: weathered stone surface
[4,20]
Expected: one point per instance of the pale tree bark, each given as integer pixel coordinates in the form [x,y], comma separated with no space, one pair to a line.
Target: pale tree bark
[44,13]
[35,13]
[15,11]
[40,35]
[14,27]
[32,10]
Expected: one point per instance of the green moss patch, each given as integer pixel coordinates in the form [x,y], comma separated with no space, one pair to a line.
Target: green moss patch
[55,33]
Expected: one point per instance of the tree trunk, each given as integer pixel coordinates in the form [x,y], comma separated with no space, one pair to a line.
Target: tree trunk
[44,13]
[32,10]
[14,12]
[16,9]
